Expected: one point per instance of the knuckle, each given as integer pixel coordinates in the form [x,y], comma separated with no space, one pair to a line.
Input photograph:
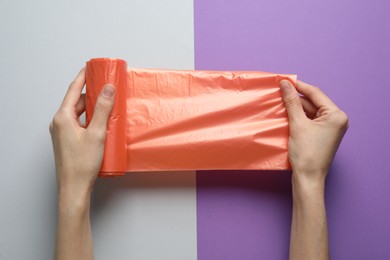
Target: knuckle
[344,120]
[57,120]
[341,119]
[290,102]
[72,85]
[97,133]
[102,107]
[60,119]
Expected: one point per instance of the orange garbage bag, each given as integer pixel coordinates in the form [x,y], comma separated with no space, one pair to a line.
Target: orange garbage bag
[165,120]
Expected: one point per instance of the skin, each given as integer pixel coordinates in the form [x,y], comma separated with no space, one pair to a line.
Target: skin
[78,155]
[317,126]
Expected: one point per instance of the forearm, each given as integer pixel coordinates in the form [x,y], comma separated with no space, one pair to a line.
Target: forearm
[74,239]
[309,229]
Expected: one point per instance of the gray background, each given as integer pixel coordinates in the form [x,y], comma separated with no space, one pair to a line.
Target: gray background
[43,44]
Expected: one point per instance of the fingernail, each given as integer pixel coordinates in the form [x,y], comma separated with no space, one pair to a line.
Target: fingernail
[108,90]
[285,86]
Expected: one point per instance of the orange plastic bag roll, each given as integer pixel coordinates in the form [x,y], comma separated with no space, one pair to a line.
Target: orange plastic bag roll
[100,72]
[191,120]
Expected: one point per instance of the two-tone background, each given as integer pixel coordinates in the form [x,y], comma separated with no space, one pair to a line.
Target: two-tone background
[342,46]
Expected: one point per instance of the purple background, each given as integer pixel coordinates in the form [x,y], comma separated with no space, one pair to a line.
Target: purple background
[342,47]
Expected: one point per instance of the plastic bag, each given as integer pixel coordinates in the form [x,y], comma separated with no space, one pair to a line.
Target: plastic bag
[166,120]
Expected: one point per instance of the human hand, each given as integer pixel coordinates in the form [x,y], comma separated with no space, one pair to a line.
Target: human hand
[317,127]
[78,149]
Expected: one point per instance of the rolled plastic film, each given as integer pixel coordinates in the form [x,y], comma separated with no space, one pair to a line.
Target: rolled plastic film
[99,72]
[167,120]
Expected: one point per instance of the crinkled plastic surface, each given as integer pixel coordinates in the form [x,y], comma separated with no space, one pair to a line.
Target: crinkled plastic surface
[166,120]
[100,72]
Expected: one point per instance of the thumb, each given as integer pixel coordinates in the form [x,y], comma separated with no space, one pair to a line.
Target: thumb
[291,101]
[103,107]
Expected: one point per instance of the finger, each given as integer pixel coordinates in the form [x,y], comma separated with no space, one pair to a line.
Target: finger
[73,94]
[80,106]
[103,107]
[308,107]
[314,94]
[291,101]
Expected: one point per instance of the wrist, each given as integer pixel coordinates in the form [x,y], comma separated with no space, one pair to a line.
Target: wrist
[309,178]
[73,201]
[308,186]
